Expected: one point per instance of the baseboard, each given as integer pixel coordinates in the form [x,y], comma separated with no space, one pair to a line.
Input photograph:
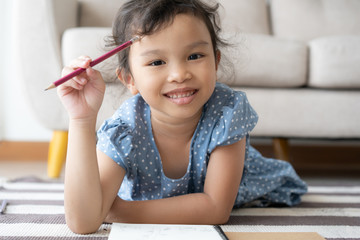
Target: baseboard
[24,151]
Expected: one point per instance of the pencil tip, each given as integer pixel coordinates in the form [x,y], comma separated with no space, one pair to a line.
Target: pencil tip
[50,87]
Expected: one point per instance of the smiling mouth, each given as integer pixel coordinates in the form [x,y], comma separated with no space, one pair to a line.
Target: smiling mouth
[182,94]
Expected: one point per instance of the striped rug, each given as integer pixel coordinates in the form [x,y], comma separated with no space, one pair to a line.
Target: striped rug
[35,211]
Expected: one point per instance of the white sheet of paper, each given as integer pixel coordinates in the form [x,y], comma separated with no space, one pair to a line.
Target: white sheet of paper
[162,232]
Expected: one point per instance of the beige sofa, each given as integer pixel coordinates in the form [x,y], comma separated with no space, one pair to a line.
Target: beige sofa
[297,60]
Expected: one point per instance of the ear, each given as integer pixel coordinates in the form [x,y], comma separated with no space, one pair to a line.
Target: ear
[128,80]
[217,59]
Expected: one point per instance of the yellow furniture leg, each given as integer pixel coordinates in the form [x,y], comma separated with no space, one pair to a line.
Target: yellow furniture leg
[57,153]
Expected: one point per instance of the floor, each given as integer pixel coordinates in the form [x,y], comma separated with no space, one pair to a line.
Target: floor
[17,169]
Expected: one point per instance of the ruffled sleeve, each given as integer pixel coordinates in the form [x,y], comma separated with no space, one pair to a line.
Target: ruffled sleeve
[115,140]
[117,135]
[235,118]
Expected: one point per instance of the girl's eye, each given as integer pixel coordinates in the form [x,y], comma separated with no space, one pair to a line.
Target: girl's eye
[195,56]
[157,63]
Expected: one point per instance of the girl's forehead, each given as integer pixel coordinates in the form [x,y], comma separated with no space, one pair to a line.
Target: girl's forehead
[182,24]
[184,33]
[143,26]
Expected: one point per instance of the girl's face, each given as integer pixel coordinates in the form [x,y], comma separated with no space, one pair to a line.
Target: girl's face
[174,69]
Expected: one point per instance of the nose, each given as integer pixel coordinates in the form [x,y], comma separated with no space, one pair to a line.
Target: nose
[179,73]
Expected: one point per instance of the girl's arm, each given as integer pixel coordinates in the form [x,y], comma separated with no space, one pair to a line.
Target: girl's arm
[91,179]
[213,206]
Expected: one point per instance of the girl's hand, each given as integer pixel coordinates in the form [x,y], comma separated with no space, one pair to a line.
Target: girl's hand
[82,95]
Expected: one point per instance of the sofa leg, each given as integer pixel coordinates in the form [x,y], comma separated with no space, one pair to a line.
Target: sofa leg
[281,149]
[57,153]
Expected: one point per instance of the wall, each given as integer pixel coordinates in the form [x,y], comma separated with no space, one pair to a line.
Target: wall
[17,122]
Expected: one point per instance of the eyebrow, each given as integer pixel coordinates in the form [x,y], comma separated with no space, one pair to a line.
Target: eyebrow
[190,46]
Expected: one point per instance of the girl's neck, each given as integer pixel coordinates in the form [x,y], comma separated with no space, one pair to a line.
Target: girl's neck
[178,129]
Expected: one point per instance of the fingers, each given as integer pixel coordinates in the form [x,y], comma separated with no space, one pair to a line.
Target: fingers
[79,81]
[80,62]
[92,74]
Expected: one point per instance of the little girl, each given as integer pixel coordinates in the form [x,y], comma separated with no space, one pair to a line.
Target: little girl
[176,152]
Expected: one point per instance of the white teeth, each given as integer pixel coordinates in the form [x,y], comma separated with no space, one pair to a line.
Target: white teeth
[175,96]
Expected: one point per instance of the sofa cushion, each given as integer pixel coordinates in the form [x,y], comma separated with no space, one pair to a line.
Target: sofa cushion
[245,16]
[305,112]
[334,62]
[97,13]
[89,42]
[309,19]
[115,94]
[265,61]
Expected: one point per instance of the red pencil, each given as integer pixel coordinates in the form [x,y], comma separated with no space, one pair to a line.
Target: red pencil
[93,63]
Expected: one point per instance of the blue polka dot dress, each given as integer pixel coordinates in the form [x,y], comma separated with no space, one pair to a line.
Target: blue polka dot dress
[227,117]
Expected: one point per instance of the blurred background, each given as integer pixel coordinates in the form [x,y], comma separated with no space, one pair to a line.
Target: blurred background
[15,113]
[24,141]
